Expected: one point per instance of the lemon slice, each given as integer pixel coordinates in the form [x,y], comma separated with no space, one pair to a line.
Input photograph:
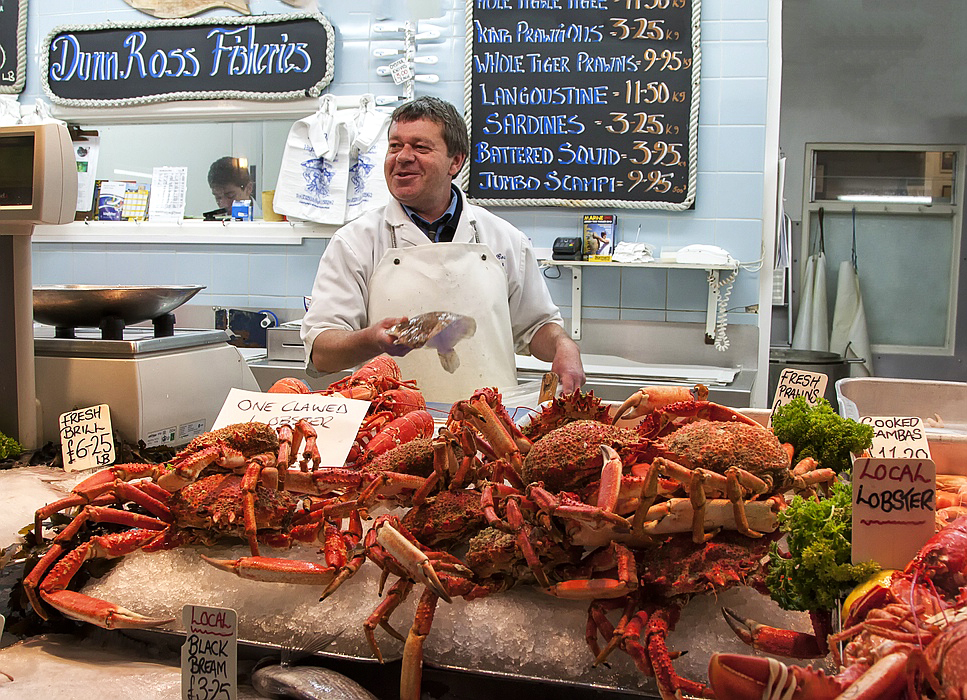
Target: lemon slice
[880,578]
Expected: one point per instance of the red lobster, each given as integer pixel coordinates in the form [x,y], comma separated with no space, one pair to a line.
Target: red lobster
[911,622]
[391,398]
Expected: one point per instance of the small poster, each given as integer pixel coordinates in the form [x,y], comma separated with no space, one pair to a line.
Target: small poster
[85,153]
[599,236]
[169,187]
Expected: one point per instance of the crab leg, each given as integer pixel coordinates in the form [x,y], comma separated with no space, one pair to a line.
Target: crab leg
[797,645]
[380,616]
[650,398]
[602,588]
[411,677]
[86,608]
[677,514]
[275,569]
[733,492]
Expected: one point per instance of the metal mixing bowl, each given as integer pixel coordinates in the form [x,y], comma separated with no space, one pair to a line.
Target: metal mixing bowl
[83,305]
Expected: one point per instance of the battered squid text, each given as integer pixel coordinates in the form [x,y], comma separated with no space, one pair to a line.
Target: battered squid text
[293,411]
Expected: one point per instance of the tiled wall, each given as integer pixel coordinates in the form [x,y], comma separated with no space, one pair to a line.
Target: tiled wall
[729,191]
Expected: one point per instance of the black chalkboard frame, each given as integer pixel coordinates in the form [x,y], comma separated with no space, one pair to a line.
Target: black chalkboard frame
[311,89]
[13,81]
[590,200]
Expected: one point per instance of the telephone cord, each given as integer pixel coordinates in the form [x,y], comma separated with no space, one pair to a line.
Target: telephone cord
[724,290]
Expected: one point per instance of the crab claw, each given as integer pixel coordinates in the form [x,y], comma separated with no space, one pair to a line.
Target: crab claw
[737,676]
[275,570]
[797,645]
[411,558]
[99,612]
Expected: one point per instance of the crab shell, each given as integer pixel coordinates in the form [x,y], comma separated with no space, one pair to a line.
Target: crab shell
[414,457]
[567,457]
[716,446]
[446,519]
[215,503]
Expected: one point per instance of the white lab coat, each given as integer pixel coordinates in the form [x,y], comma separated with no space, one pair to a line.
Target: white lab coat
[340,292]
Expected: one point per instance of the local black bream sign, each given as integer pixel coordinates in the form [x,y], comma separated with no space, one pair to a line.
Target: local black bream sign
[271,57]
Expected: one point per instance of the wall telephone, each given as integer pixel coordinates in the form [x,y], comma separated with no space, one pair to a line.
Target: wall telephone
[699,254]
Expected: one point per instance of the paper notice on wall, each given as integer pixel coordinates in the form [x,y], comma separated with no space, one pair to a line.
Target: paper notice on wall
[169,187]
[85,153]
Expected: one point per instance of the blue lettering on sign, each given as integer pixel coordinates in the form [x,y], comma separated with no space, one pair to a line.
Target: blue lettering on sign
[234,52]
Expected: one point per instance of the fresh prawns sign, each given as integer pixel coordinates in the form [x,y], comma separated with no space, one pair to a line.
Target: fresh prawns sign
[281,57]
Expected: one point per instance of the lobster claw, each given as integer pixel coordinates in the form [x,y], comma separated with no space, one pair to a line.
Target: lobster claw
[738,676]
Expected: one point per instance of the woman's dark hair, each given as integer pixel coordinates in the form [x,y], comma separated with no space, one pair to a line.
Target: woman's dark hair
[443,113]
[228,171]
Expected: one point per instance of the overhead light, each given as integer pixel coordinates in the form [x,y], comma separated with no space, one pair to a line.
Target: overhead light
[886,198]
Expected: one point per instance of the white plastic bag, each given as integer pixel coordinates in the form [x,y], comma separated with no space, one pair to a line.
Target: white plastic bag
[367,181]
[314,175]
[39,113]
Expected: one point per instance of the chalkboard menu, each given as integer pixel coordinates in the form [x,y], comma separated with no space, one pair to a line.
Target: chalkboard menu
[583,102]
[267,57]
[13,45]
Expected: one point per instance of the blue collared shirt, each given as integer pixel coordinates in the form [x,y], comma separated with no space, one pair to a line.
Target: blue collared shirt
[438,230]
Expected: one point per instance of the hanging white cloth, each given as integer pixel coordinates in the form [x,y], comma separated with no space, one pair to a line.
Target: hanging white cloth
[812,324]
[849,336]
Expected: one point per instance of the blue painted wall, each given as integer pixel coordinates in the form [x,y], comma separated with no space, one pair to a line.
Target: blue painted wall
[728,207]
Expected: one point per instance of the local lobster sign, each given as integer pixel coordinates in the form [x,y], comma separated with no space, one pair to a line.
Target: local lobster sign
[270,57]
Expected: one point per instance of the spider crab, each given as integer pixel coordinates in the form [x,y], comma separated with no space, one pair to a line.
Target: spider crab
[905,638]
[235,481]
[688,465]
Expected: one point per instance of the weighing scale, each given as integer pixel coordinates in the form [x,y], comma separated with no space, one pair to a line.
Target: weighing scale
[38,185]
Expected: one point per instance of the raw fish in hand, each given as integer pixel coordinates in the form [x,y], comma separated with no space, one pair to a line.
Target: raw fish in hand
[438,330]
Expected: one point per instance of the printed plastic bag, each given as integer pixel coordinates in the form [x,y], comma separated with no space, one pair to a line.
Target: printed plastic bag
[314,175]
[367,181]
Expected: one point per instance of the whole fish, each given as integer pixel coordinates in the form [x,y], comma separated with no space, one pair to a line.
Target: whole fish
[306,683]
[176,9]
[290,679]
[438,330]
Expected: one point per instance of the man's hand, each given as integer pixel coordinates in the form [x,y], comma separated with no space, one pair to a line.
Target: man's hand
[553,345]
[336,350]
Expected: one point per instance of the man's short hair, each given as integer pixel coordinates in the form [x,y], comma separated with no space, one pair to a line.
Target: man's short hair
[443,113]
[228,171]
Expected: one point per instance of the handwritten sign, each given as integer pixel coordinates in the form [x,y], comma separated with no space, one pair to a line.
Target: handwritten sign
[335,419]
[798,382]
[209,657]
[898,437]
[86,438]
[575,102]
[280,57]
[893,509]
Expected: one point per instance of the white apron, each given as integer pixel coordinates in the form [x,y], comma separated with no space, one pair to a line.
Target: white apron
[463,278]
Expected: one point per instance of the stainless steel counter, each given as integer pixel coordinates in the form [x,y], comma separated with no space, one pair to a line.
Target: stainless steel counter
[610,387]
